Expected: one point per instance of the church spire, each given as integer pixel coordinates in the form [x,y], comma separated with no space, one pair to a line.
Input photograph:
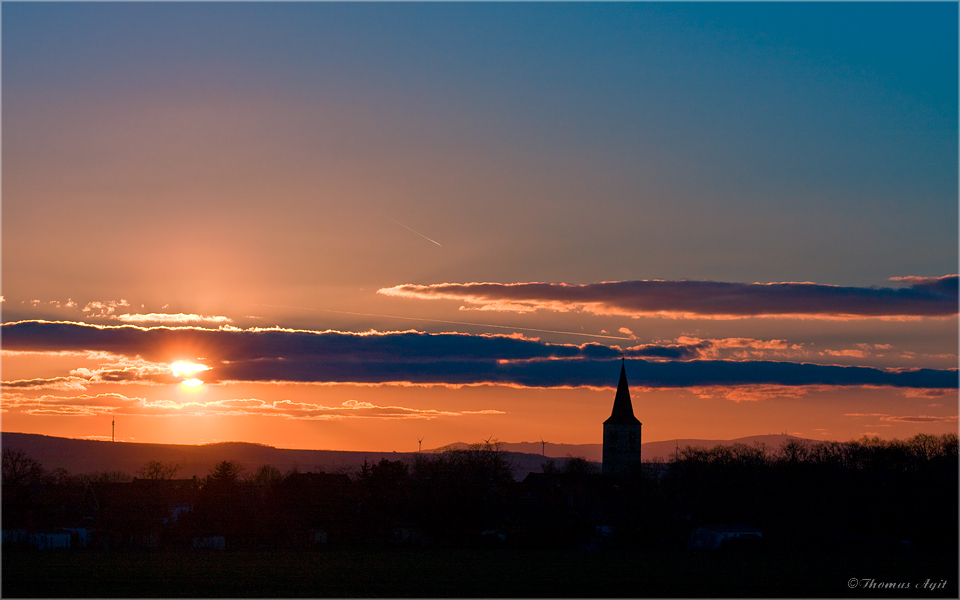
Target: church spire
[622,407]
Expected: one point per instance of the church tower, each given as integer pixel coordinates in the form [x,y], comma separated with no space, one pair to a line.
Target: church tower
[621,433]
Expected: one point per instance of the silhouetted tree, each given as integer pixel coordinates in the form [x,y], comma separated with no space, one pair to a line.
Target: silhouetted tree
[34,496]
[106,477]
[383,498]
[578,465]
[225,473]
[459,493]
[225,507]
[18,468]
[266,475]
[804,493]
[60,476]
[794,451]
[155,469]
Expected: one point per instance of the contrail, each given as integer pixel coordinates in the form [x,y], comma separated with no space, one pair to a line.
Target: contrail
[346,312]
[413,230]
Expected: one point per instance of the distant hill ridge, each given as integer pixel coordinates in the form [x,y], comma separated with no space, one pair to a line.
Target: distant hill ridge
[651,451]
[87,456]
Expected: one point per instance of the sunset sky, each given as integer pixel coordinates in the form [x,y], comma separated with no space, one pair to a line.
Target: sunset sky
[350,226]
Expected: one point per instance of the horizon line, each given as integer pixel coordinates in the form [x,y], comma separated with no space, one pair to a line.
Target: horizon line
[441,447]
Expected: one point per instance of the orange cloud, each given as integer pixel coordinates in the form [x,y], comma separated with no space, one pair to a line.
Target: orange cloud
[756,393]
[906,419]
[927,393]
[102,308]
[848,352]
[118,404]
[742,348]
[51,383]
[76,406]
[925,297]
[170,318]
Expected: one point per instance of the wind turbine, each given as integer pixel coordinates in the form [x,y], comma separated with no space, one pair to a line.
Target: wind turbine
[419,443]
[543,446]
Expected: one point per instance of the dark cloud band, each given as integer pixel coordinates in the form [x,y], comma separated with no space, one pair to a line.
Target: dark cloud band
[583,372]
[336,357]
[924,297]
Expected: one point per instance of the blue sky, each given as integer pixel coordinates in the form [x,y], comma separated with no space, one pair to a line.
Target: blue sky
[267,164]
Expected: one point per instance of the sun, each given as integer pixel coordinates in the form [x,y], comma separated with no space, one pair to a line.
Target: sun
[186,368]
[183,368]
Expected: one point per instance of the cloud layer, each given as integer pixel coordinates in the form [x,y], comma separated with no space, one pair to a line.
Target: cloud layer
[118,404]
[924,297]
[449,358]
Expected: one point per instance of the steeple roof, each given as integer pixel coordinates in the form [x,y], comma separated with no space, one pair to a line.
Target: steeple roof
[622,407]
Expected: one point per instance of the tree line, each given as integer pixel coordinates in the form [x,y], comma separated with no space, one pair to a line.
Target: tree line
[846,495]
[854,495]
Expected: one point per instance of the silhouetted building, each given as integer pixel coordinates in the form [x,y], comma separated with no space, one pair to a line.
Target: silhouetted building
[621,433]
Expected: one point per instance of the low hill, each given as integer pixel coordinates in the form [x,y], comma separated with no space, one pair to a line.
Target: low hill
[651,451]
[87,456]
[665,450]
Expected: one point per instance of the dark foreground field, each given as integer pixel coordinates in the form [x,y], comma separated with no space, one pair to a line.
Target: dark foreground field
[473,573]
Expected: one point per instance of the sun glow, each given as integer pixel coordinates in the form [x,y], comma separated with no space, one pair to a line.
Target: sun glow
[186,368]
